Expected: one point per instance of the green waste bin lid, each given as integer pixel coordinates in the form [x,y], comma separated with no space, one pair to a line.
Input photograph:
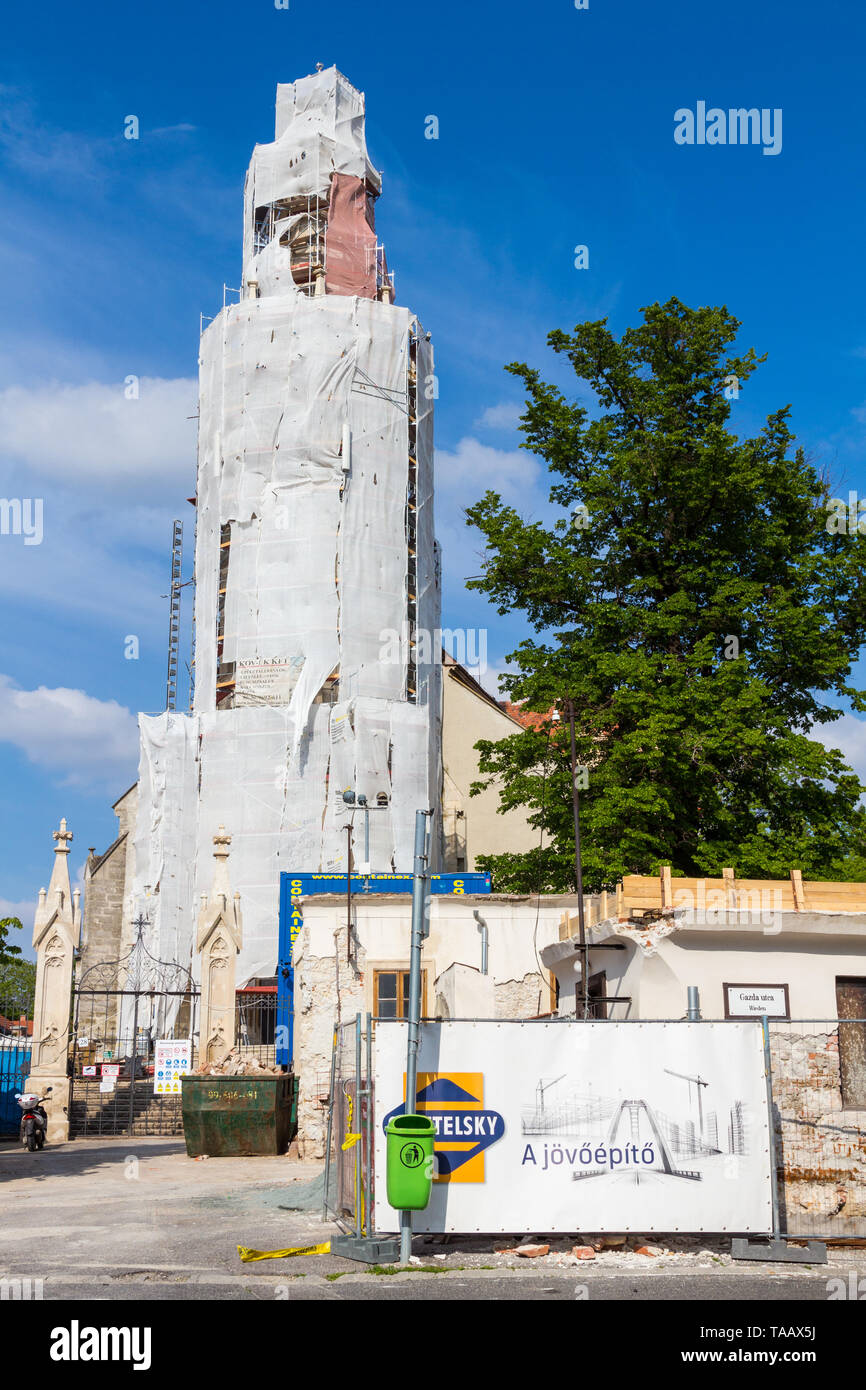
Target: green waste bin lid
[415,1125]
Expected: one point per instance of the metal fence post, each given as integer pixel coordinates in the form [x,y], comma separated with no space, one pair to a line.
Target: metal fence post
[359,1190]
[330,1126]
[370,1227]
[419,885]
[774,1172]
[133,1065]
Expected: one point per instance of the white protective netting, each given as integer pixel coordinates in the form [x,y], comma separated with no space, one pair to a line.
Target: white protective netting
[302,484]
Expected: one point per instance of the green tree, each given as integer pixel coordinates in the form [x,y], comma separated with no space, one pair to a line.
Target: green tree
[695,604]
[6,950]
[17,986]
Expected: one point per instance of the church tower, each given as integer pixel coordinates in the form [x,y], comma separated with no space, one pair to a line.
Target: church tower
[316,568]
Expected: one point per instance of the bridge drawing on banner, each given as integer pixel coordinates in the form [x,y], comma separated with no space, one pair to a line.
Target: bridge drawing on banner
[612,1120]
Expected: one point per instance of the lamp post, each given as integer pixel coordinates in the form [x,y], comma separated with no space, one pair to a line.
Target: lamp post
[357,800]
[419,892]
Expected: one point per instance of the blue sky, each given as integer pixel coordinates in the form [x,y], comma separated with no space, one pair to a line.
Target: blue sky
[555,129]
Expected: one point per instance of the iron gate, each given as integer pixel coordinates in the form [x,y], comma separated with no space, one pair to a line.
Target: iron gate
[121,1009]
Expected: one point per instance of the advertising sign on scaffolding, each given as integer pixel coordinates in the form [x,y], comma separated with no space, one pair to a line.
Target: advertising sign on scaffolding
[266,682]
[585,1126]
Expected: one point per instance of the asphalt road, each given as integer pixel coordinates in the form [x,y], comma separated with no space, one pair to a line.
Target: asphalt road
[450,1287]
[139,1221]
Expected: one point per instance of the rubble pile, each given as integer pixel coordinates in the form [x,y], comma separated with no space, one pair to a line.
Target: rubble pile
[233,1064]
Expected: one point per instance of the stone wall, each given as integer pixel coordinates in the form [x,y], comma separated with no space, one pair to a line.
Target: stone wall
[106,880]
[522,998]
[315,1015]
[820,1144]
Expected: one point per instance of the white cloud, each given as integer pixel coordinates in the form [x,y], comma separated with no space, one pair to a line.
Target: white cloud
[504,416]
[463,475]
[40,150]
[95,433]
[25,912]
[492,679]
[81,740]
[848,734]
[468,471]
[113,470]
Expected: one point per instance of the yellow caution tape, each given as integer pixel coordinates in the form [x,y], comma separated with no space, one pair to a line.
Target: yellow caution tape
[248,1255]
[350,1139]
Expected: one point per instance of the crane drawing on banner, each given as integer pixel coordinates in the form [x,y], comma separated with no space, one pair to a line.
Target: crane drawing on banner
[697,1082]
[613,1120]
[634,1108]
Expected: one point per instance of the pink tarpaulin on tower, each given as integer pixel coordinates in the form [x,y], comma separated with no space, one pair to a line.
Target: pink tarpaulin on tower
[351,256]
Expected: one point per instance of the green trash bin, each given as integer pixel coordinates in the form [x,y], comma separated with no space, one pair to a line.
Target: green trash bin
[233,1116]
[409,1167]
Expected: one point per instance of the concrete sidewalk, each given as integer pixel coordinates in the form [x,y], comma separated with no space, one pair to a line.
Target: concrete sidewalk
[125,1219]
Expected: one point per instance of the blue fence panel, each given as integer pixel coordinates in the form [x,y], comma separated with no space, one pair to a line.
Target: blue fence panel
[14,1070]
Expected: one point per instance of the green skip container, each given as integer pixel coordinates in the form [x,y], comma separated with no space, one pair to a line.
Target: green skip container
[409,1168]
[236,1116]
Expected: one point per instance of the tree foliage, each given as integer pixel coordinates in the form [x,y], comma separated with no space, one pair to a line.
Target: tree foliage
[17,986]
[7,950]
[693,604]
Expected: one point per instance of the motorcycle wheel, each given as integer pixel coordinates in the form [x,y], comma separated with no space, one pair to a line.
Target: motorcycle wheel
[30,1140]
[40,1139]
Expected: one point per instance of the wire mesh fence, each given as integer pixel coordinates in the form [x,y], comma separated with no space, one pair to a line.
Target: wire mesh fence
[818,1071]
[349,1144]
[818,1097]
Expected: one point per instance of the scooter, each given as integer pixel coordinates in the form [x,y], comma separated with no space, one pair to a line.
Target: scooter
[34,1121]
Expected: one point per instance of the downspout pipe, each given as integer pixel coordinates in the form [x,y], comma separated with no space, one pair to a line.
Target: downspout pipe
[482,927]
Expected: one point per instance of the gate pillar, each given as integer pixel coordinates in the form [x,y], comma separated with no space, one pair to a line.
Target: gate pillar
[219,938]
[56,932]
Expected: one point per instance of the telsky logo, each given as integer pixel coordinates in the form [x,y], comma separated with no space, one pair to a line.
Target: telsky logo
[454,1101]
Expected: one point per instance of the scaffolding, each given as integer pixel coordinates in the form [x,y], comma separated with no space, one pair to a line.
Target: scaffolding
[174,615]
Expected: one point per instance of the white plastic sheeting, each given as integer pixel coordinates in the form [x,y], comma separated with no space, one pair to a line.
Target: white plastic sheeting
[304,468]
[319,131]
[232,768]
[315,578]
[165,835]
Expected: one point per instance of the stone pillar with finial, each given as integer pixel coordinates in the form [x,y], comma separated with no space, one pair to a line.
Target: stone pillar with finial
[219,938]
[56,934]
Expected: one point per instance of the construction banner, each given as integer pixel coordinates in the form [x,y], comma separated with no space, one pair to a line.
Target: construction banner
[585,1127]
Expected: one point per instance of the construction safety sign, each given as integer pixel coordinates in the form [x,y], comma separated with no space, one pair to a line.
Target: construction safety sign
[172,1060]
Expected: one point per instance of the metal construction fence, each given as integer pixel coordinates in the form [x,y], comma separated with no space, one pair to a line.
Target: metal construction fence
[349,1194]
[818,1088]
[816,1074]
